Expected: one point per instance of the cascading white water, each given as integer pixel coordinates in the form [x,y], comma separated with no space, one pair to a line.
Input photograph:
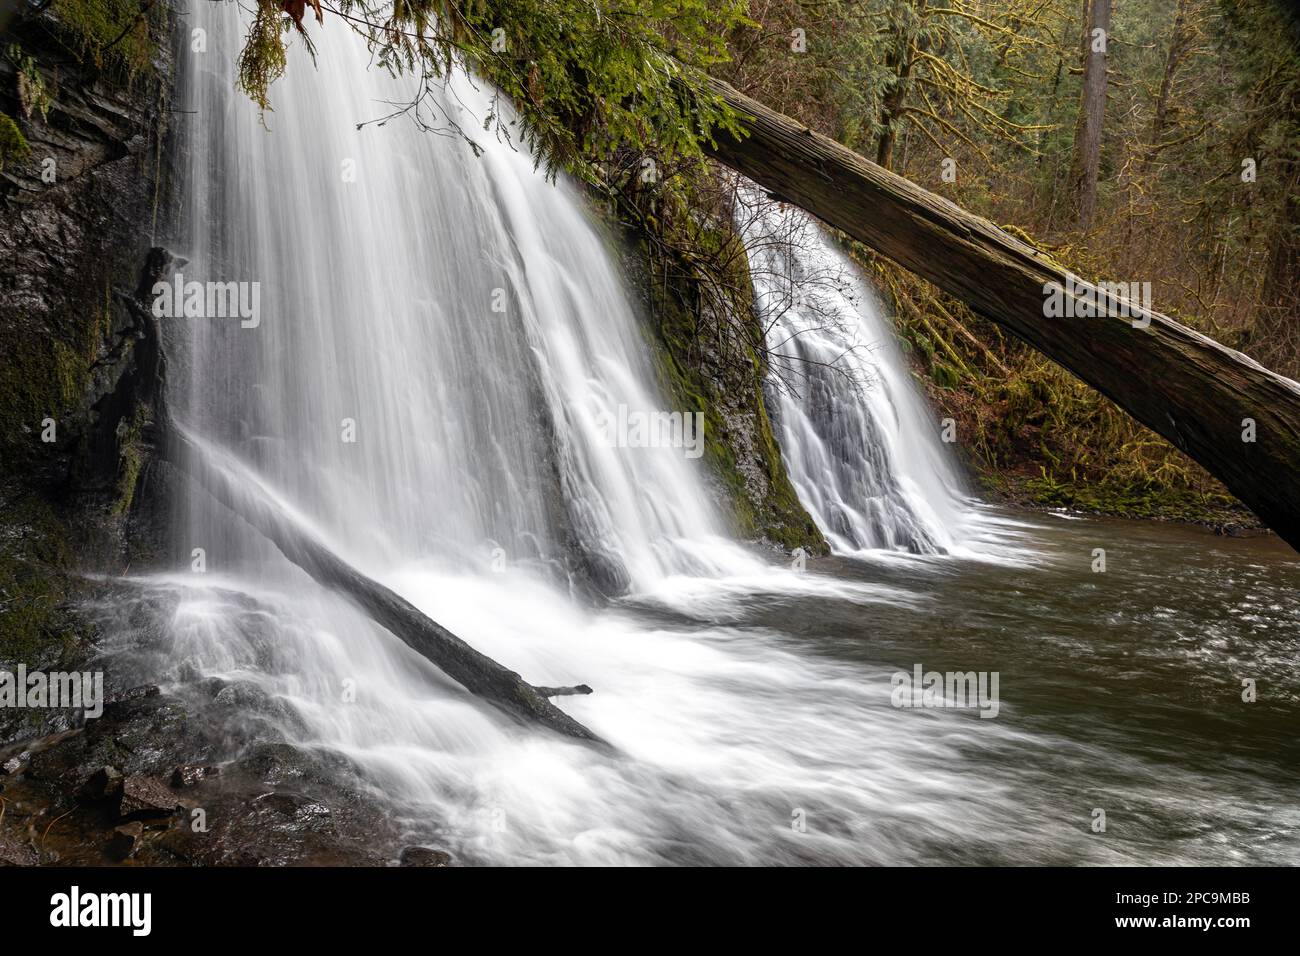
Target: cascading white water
[861,446]
[439,337]
[480,486]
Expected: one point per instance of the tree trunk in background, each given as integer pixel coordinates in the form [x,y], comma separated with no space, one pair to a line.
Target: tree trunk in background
[1092,110]
[1178,46]
[1235,417]
[1277,321]
[891,109]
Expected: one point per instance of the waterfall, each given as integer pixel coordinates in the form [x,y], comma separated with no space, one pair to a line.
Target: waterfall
[428,347]
[443,339]
[862,448]
[441,350]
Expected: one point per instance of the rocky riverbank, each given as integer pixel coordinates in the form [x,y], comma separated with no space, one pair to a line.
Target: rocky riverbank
[146,783]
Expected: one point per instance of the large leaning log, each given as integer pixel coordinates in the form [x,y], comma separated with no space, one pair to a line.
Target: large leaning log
[229,483]
[1208,400]
[477,673]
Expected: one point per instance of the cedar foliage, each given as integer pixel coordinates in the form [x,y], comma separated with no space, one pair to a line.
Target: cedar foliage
[582,78]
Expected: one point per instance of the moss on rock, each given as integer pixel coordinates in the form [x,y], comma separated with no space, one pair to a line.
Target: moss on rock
[68,349]
[41,377]
[36,625]
[111,34]
[13,145]
[740,449]
[131,459]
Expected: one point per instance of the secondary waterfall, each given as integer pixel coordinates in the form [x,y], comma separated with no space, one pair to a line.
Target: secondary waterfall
[860,444]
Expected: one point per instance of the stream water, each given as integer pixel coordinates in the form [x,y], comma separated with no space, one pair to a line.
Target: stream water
[749,705]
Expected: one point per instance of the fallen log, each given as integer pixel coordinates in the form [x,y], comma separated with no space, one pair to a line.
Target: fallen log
[213,470]
[477,673]
[1226,411]
[579,689]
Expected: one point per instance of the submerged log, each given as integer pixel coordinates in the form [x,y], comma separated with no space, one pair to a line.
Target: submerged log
[1226,411]
[477,673]
[563,691]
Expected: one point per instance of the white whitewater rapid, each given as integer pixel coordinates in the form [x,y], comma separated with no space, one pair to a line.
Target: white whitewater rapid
[860,444]
[439,335]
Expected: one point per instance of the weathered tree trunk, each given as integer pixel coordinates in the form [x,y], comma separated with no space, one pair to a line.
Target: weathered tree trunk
[1277,325]
[891,115]
[1179,45]
[1190,389]
[1092,110]
[478,674]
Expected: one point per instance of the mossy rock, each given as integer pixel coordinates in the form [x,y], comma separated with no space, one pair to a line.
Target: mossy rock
[13,145]
[778,516]
[1130,501]
[41,377]
[36,585]
[111,34]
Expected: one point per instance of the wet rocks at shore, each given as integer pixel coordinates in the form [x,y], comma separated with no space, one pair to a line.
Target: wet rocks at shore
[424,856]
[156,781]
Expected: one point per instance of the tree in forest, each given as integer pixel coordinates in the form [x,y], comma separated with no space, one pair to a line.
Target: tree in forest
[1092,110]
[1182,38]
[874,71]
[909,44]
[1263,36]
[952,68]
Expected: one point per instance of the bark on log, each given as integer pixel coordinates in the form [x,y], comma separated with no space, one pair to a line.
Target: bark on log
[477,673]
[1184,385]
[574,691]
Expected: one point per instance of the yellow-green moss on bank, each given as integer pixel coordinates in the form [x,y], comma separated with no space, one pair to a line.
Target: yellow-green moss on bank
[13,145]
[111,34]
[35,584]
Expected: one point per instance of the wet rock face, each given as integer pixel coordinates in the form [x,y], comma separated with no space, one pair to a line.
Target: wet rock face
[16,852]
[160,784]
[81,369]
[144,798]
[424,856]
[706,334]
[125,841]
[191,776]
[16,763]
[104,784]
[77,212]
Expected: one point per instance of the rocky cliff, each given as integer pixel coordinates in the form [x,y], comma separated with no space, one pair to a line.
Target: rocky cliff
[83,106]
